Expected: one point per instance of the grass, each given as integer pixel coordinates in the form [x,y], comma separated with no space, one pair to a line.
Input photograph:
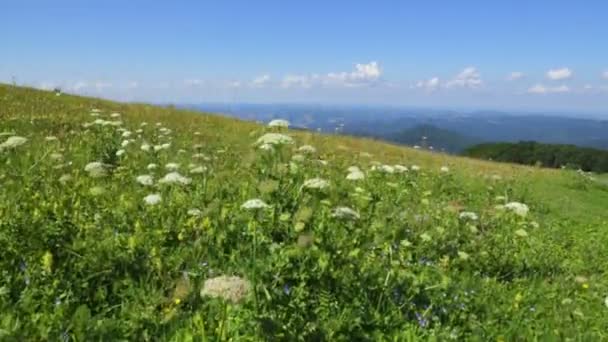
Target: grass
[85,258]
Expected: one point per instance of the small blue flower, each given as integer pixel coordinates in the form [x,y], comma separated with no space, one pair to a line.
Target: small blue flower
[286,289]
[422,322]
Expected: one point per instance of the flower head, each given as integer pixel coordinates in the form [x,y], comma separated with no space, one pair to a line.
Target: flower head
[519,209]
[345,213]
[280,123]
[355,175]
[231,289]
[467,215]
[316,183]
[274,139]
[175,178]
[13,142]
[96,169]
[153,199]
[253,204]
[145,180]
[307,149]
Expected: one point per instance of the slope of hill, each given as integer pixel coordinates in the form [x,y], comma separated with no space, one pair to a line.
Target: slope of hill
[135,222]
[547,155]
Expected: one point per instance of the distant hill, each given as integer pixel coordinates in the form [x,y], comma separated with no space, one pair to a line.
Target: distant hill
[547,155]
[438,138]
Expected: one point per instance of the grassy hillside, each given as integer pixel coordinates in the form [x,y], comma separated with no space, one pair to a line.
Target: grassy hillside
[135,222]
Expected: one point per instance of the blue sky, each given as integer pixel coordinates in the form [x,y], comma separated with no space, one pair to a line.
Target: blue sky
[528,55]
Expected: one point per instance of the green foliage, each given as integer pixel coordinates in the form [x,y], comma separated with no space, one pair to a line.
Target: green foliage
[547,155]
[86,258]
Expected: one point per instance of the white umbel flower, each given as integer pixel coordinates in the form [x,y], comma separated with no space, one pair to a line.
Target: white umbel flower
[172,166]
[255,203]
[468,215]
[153,199]
[415,168]
[96,169]
[307,149]
[316,183]
[152,166]
[444,169]
[13,142]
[519,209]
[345,213]
[145,147]
[197,169]
[400,168]
[145,180]
[231,289]
[274,139]
[353,169]
[175,178]
[120,152]
[280,123]
[355,175]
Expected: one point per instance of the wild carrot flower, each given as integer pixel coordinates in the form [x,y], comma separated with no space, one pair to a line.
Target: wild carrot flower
[345,213]
[279,123]
[253,204]
[96,169]
[519,209]
[145,180]
[13,142]
[231,289]
[152,166]
[175,178]
[274,139]
[355,175]
[307,149]
[152,199]
[316,183]
[172,166]
[467,215]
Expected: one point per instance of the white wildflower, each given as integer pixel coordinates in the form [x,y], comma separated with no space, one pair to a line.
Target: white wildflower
[415,168]
[51,138]
[145,180]
[125,143]
[280,123]
[468,215]
[255,203]
[172,166]
[65,178]
[463,255]
[96,169]
[274,139]
[444,169]
[266,147]
[384,168]
[56,156]
[345,213]
[198,169]
[153,199]
[519,209]
[152,166]
[175,178]
[353,169]
[400,168]
[120,152]
[231,289]
[115,115]
[355,175]
[194,212]
[307,149]
[298,158]
[126,134]
[13,142]
[316,183]
[145,147]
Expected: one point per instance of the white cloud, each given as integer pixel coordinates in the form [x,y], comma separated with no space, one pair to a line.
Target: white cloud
[605,75]
[100,86]
[260,81]
[430,85]
[559,74]
[467,78]
[362,75]
[515,75]
[541,89]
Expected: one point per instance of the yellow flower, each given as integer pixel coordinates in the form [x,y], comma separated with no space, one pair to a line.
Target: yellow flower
[177,301]
[585,286]
[47,262]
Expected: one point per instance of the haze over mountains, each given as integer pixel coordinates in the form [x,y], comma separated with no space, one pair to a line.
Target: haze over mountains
[448,130]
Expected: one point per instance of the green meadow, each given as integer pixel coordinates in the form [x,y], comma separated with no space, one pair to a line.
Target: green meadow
[143,223]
